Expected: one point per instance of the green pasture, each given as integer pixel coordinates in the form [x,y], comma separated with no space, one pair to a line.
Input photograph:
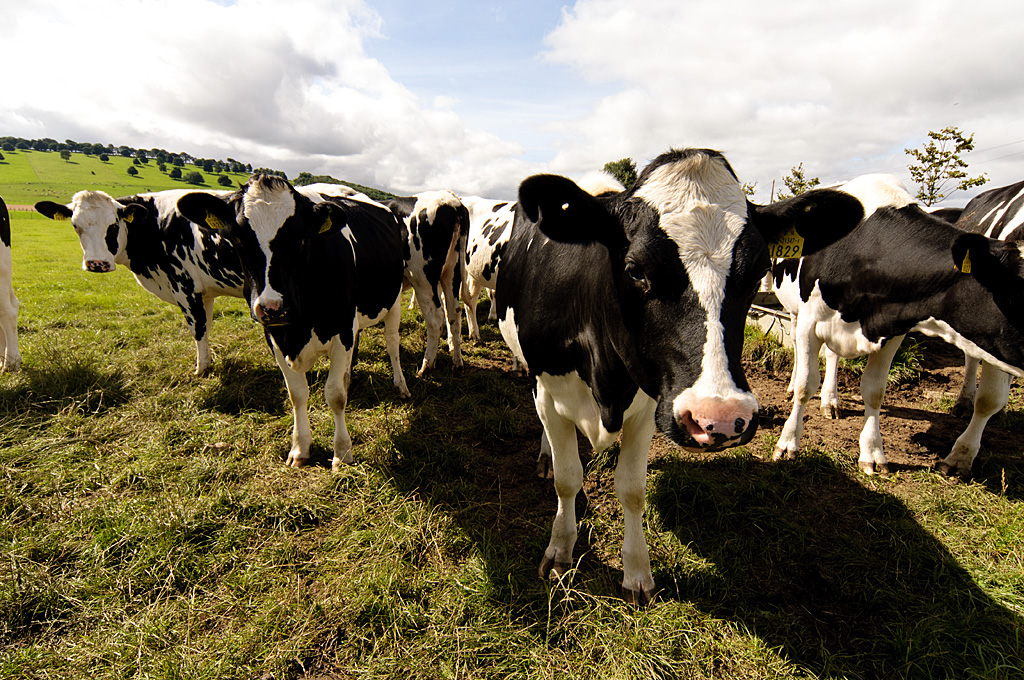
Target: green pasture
[149,528]
[30,176]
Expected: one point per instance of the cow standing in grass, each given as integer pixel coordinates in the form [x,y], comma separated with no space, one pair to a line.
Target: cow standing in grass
[903,270]
[436,228]
[178,261]
[10,356]
[628,309]
[317,269]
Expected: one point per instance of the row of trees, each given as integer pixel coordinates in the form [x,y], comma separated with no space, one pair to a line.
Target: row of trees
[939,169]
[141,156]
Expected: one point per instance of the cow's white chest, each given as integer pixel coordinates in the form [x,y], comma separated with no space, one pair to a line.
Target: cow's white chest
[574,401]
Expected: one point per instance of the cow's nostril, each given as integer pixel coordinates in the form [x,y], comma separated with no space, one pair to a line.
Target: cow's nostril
[740,425]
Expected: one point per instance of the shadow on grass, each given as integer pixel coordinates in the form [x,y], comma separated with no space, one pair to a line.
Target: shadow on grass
[840,578]
[241,386]
[66,380]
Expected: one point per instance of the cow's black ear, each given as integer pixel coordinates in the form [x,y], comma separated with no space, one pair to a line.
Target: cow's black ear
[985,260]
[206,210]
[55,211]
[565,212]
[133,212]
[808,222]
[328,218]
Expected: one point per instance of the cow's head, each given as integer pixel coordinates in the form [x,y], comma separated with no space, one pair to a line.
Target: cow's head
[999,267]
[687,254]
[100,222]
[274,228]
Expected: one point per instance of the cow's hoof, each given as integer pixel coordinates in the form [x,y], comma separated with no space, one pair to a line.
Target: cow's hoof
[945,468]
[639,597]
[548,564]
[545,470]
[963,409]
[296,461]
[783,454]
[831,411]
[867,467]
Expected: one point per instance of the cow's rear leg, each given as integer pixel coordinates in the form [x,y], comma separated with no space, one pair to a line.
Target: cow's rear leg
[830,386]
[805,383]
[392,342]
[339,378]
[201,333]
[993,394]
[964,405]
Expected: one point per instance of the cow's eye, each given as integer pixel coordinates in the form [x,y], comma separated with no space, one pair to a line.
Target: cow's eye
[639,278]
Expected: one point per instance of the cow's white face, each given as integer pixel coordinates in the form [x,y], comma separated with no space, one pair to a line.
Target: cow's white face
[266,207]
[96,221]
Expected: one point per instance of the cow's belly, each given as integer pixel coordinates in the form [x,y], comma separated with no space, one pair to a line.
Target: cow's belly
[845,338]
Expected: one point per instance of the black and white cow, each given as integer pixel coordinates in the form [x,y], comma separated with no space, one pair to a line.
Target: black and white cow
[318,268]
[894,274]
[490,225]
[437,227]
[997,214]
[10,356]
[628,309]
[178,261]
[830,401]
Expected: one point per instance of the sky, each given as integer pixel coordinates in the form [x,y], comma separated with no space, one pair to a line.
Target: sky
[475,95]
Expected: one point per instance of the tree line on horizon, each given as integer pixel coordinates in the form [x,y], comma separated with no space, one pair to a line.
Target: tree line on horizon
[940,169]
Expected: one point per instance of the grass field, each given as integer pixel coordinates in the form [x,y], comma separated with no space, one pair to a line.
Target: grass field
[30,176]
[149,529]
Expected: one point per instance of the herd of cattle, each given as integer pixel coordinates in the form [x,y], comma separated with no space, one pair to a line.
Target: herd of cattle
[626,305]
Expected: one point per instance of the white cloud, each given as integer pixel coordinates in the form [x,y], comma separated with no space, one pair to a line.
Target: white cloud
[842,87]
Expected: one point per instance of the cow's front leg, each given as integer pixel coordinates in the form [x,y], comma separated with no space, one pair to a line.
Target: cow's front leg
[201,333]
[872,390]
[339,378]
[631,489]
[805,383]
[992,396]
[298,394]
[568,473]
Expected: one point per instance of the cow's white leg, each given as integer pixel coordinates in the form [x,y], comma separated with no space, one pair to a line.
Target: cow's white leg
[298,394]
[872,390]
[805,383]
[830,386]
[10,354]
[993,393]
[631,489]
[204,358]
[453,310]
[339,377]
[392,341]
[433,318]
[796,349]
[492,313]
[544,467]
[568,473]
[964,404]
[471,293]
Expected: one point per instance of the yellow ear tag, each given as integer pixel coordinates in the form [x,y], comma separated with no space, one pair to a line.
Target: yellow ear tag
[213,222]
[57,217]
[128,218]
[966,266]
[325,226]
[788,244]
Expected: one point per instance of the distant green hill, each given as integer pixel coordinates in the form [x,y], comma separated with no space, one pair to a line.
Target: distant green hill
[28,176]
